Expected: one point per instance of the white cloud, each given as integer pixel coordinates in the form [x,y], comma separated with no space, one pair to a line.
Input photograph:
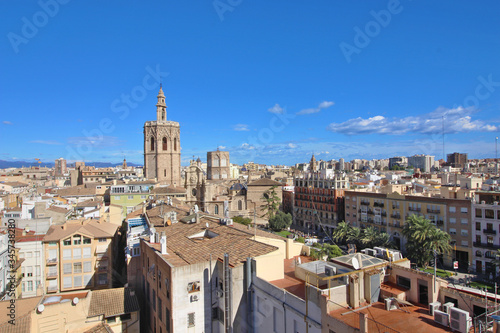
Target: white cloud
[46,142]
[292,145]
[6,122]
[321,106]
[96,141]
[457,120]
[247,146]
[221,147]
[276,109]
[241,127]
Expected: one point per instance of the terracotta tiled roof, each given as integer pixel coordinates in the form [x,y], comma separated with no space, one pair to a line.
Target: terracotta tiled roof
[23,317]
[57,209]
[168,189]
[89,203]
[113,302]
[235,240]
[265,182]
[75,191]
[88,227]
[99,328]
[15,184]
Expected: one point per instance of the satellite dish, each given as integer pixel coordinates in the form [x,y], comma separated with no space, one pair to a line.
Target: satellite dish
[75,301]
[355,263]
[40,308]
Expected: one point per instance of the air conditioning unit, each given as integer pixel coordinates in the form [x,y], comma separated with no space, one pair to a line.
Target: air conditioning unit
[390,304]
[194,298]
[460,320]
[447,307]
[441,318]
[433,307]
[330,271]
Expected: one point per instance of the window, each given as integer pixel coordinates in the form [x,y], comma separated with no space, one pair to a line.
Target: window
[87,266]
[164,142]
[30,285]
[111,320]
[453,231]
[67,254]
[130,197]
[453,220]
[152,144]
[160,308]
[453,209]
[465,232]
[153,299]
[167,319]
[463,210]
[191,319]
[87,278]
[87,240]
[87,252]
[77,253]
[103,279]
[29,271]
[67,268]
[465,243]
[67,241]
[77,267]
[117,197]
[77,240]
[77,281]
[216,209]
[277,320]
[126,316]
[67,282]
[489,214]
[52,243]
[478,225]
[193,286]
[175,148]
[464,221]
[102,240]
[403,282]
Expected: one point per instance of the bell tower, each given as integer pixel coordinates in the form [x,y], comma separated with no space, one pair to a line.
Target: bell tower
[162,146]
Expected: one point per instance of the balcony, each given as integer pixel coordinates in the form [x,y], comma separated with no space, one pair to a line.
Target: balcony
[365,203]
[370,212]
[52,289]
[433,211]
[383,214]
[396,216]
[487,245]
[51,275]
[51,261]
[414,209]
[490,231]
[378,204]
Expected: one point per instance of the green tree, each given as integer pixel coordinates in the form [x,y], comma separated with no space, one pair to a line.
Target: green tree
[341,232]
[280,221]
[371,237]
[271,203]
[423,238]
[319,251]
[301,240]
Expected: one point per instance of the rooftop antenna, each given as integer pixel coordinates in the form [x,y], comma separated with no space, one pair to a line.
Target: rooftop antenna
[444,157]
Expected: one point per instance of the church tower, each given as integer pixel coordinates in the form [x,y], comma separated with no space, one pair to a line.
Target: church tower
[162,146]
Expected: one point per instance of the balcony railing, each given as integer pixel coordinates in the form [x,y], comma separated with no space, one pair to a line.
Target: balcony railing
[51,289]
[396,216]
[51,261]
[414,209]
[487,245]
[365,203]
[433,211]
[379,204]
[490,231]
[51,275]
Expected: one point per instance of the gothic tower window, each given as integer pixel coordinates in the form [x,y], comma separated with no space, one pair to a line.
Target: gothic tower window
[164,143]
[240,205]
[152,144]
[175,144]
[164,172]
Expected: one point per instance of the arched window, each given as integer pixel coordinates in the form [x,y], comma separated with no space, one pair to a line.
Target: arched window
[165,143]
[175,144]
[240,205]
[216,209]
[152,144]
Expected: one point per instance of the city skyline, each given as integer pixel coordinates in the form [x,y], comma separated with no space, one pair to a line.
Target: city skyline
[270,83]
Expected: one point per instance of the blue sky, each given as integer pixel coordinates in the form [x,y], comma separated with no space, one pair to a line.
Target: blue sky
[270,81]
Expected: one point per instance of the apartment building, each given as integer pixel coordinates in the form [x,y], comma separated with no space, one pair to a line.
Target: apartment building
[79,255]
[33,267]
[486,228]
[318,202]
[194,274]
[129,195]
[388,213]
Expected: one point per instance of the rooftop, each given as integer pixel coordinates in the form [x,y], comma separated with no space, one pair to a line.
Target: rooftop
[290,283]
[88,227]
[113,302]
[417,320]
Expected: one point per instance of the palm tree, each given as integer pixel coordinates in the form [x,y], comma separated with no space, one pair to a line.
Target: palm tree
[423,238]
[368,236]
[354,236]
[341,232]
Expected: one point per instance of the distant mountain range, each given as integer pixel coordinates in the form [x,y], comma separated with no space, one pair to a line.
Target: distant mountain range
[19,164]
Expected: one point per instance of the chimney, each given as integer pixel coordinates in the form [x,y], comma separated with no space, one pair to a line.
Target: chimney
[114,181]
[165,219]
[197,217]
[163,242]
